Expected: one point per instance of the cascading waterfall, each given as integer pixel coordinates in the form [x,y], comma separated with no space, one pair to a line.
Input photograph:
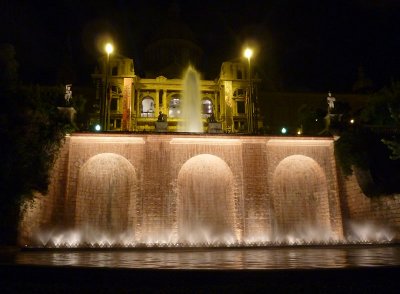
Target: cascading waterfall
[206,202]
[193,190]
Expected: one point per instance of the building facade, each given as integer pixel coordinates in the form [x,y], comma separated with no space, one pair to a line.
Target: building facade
[134,103]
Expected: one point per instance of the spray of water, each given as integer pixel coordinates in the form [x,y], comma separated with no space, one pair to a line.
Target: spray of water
[360,233]
[191,103]
[205,208]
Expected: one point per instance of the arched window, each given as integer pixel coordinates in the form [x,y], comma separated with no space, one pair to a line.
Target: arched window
[206,108]
[147,107]
[175,107]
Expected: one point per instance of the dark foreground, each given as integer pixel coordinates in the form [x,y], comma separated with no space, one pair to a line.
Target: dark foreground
[63,279]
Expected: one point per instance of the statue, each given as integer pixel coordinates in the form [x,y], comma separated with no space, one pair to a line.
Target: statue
[161,123]
[162,117]
[213,125]
[68,93]
[329,116]
[212,119]
[68,112]
[331,101]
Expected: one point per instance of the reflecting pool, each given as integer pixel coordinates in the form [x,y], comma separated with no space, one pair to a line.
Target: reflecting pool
[233,259]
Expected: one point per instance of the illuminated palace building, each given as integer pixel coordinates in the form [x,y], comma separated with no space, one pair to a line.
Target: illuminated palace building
[135,102]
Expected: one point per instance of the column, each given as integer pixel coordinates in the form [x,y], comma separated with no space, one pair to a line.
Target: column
[164,102]
[157,103]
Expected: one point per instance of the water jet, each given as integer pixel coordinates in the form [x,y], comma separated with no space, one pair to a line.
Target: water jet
[191,104]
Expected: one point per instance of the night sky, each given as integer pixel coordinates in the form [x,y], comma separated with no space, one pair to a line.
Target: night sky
[302,45]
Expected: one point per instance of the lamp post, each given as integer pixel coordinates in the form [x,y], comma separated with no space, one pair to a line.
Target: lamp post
[248,53]
[105,105]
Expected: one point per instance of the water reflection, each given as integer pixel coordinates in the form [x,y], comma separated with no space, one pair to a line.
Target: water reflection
[279,258]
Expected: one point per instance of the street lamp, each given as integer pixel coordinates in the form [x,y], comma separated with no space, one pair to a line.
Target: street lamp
[248,53]
[109,48]
[105,106]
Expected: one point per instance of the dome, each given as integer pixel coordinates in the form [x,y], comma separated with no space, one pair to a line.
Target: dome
[173,47]
[173,27]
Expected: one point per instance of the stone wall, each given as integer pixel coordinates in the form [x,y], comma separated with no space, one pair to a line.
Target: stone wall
[357,207]
[45,212]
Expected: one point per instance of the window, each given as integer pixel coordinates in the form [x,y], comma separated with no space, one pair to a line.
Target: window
[238,93]
[239,74]
[147,107]
[206,108]
[174,107]
[114,71]
[114,104]
[116,90]
[240,107]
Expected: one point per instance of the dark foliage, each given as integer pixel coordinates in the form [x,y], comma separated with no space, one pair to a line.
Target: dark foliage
[31,133]
[351,149]
[372,144]
[394,110]
[311,119]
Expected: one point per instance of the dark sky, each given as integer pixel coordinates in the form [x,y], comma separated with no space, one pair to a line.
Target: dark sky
[302,45]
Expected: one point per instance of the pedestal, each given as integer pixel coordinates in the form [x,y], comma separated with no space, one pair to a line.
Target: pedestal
[161,126]
[214,128]
[68,113]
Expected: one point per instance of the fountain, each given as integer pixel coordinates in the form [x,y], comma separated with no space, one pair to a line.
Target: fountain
[191,103]
[181,190]
[184,190]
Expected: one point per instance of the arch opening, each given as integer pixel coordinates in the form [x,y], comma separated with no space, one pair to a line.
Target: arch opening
[206,201]
[300,204]
[106,197]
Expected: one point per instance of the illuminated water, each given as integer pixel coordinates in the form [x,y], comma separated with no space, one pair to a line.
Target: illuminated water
[277,258]
[193,235]
[191,103]
[193,191]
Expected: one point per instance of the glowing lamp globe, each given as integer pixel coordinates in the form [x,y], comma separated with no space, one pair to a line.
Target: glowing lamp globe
[109,48]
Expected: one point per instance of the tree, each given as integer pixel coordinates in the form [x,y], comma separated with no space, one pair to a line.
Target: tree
[393,106]
[368,143]
[394,146]
[310,119]
[31,132]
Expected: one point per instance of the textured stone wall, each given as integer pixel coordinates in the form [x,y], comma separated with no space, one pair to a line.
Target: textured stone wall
[255,190]
[157,161]
[46,212]
[356,207]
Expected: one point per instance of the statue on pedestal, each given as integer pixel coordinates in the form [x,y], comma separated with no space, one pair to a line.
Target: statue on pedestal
[161,123]
[162,117]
